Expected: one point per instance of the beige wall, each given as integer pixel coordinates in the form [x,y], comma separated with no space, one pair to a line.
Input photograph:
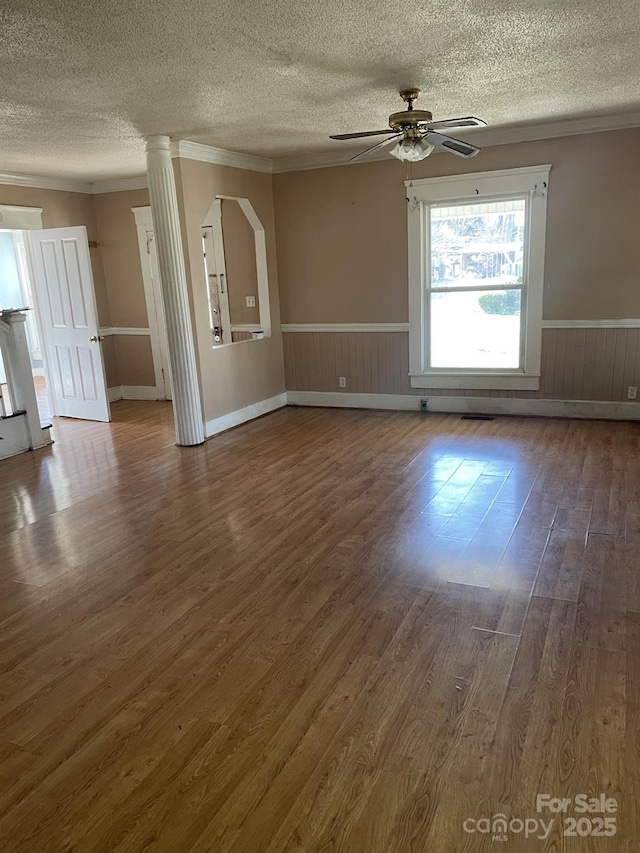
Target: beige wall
[110,362]
[120,255]
[240,374]
[342,254]
[240,263]
[124,285]
[134,359]
[342,234]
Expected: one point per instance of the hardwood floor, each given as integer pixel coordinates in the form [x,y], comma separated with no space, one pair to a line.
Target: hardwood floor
[323,631]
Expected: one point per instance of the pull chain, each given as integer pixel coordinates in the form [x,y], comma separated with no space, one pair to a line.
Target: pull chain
[409,172]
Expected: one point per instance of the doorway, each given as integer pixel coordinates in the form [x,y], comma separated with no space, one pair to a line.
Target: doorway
[153,300]
[49,272]
[16,291]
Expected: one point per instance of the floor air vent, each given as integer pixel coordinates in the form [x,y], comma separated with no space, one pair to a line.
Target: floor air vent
[476,418]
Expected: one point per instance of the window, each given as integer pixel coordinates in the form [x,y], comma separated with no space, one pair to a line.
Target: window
[476,264]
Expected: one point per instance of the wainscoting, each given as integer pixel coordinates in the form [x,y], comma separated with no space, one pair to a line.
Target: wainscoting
[578,363]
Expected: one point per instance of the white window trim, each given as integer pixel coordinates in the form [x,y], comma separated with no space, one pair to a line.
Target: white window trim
[532,182]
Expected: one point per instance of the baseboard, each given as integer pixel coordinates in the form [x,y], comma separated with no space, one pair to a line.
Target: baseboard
[133,392]
[590,409]
[240,416]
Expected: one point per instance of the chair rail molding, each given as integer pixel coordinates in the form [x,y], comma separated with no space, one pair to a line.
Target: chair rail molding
[404,327]
[345,327]
[107,331]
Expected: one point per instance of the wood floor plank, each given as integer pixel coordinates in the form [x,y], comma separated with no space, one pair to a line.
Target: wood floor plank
[323,630]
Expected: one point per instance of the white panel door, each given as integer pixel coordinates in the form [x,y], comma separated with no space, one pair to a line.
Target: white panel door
[69,320]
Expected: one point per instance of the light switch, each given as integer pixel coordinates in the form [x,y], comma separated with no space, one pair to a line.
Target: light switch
[251,301]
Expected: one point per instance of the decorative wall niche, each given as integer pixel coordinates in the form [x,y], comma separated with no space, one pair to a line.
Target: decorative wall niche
[235,263]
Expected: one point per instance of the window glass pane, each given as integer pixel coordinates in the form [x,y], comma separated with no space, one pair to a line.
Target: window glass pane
[477,329]
[477,244]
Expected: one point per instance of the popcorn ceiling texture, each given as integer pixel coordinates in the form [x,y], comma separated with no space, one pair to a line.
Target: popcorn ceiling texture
[82,82]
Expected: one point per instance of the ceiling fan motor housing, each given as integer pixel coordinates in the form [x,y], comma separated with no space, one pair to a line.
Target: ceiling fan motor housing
[409,118]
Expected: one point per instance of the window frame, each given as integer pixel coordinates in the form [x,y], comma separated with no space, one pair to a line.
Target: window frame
[530,183]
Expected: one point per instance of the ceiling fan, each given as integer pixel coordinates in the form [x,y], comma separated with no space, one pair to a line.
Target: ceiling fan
[417,133]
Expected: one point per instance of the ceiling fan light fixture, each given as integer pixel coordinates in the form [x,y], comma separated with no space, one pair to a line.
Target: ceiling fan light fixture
[411,149]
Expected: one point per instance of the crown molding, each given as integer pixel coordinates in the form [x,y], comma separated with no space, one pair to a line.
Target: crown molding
[68,185]
[45,183]
[483,137]
[119,185]
[220,156]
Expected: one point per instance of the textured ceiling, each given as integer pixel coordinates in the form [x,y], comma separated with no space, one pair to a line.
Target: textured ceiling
[82,82]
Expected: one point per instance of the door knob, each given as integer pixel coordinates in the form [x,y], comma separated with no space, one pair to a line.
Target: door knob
[95,338]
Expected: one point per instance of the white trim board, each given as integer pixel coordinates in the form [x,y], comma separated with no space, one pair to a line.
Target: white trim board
[107,331]
[504,176]
[248,413]
[404,327]
[142,215]
[483,137]
[589,409]
[17,218]
[153,299]
[220,156]
[70,185]
[345,327]
[43,182]
[479,381]
[591,324]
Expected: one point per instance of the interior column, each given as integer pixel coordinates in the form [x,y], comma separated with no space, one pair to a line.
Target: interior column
[187,408]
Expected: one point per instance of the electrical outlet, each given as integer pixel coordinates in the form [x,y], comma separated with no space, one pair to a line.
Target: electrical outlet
[632,392]
[424,405]
[342,381]
[251,301]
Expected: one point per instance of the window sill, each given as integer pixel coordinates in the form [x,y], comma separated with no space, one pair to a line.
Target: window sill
[477,381]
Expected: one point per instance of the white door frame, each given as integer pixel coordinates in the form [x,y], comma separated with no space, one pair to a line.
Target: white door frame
[26,283]
[154,303]
[17,218]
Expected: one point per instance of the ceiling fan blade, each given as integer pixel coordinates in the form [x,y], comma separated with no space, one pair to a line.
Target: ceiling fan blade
[448,143]
[467,121]
[358,135]
[376,146]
